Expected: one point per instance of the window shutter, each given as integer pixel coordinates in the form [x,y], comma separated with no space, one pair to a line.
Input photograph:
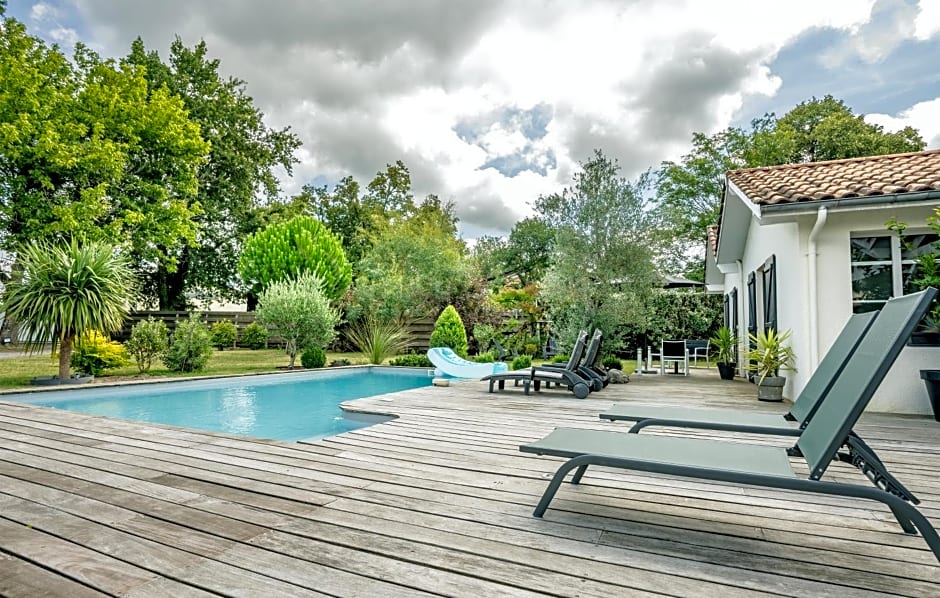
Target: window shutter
[751,304]
[727,319]
[770,294]
[734,318]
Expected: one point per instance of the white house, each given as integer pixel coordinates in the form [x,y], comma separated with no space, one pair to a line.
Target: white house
[802,246]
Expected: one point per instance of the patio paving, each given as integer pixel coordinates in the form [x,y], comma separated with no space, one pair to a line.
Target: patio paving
[438,502]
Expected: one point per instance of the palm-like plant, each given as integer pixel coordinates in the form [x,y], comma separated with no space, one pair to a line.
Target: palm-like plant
[65,290]
[378,340]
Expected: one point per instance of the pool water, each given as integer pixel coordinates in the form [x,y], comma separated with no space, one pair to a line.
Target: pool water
[295,406]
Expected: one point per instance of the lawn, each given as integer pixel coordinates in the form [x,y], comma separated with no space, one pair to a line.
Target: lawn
[15,372]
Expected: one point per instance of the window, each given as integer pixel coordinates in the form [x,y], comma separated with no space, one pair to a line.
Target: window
[883,267]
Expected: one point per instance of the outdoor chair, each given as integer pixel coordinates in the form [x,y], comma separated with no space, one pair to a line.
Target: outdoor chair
[768,466]
[588,369]
[698,349]
[536,376]
[733,420]
[551,348]
[674,352]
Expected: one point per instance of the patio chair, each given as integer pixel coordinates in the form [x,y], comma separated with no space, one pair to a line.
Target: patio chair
[769,466]
[588,369]
[698,348]
[733,420]
[674,352]
[536,376]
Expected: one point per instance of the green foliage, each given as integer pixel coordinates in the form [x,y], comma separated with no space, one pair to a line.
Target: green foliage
[524,256]
[927,268]
[487,357]
[287,250]
[771,353]
[484,334]
[414,360]
[224,334]
[378,340]
[254,336]
[87,153]
[561,358]
[95,352]
[449,332]
[60,291]
[681,314]
[724,343]
[190,347]
[147,342]
[300,312]
[602,274]
[521,362]
[612,362]
[313,357]
[240,170]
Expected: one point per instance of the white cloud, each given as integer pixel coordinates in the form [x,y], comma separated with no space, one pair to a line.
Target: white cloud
[927,23]
[924,116]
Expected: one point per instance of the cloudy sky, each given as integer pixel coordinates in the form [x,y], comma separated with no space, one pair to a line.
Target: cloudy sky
[491,103]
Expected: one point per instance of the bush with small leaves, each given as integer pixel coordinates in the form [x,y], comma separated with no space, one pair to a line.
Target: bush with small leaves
[148,341]
[449,332]
[190,347]
[612,363]
[224,335]
[521,362]
[487,357]
[414,360]
[561,358]
[313,357]
[255,336]
[95,352]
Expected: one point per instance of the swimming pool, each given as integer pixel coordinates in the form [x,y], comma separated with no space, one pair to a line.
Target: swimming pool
[293,406]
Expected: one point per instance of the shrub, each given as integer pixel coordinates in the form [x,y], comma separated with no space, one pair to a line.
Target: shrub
[336,363]
[378,340]
[561,358]
[300,312]
[147,342]
[521,362]
[190,347]
[484,335]
[224,335]
[612,363]
[414,360]
[449,332]
[487,357]
[254,336]
[313,357]
[94,353]
[531,349]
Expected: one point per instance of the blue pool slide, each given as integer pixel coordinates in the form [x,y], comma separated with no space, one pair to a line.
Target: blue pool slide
[452,364]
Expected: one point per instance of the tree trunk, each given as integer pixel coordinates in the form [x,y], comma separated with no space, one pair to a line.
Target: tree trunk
[65,357]
[171,286]
[252,300]
[292,352]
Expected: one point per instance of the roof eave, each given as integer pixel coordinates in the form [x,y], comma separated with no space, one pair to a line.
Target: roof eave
[736,215]
[789,212]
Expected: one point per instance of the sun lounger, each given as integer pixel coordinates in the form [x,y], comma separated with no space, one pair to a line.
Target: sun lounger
[588,369]
[757,423]
[767,466]
[537,376]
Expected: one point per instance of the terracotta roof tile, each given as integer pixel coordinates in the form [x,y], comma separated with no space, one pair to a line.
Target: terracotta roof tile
[711,232]
[840,179]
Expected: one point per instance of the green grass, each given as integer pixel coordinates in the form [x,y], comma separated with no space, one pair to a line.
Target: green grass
[16,372]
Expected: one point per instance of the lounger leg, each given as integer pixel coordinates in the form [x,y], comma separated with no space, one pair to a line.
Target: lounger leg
[577,462]
[576,478]
[502,384]
[491,384]
[904,522]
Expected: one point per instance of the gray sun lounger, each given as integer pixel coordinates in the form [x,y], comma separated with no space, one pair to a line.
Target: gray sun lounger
[756,423]
[768,466]
[536,376]
[588,369]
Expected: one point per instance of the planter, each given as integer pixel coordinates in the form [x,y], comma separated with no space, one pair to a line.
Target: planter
[56,381]
[726,370]
[931,379]
[771,388]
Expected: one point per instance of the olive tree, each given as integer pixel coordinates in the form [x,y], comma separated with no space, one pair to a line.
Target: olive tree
[299,311]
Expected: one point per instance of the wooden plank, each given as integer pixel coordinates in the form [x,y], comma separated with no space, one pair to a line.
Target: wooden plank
[22,579]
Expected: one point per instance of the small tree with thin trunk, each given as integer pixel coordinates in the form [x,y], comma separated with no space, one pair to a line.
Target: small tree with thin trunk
[300,312]
[62,291]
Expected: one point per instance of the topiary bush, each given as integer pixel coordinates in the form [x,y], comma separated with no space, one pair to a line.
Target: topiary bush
[223,335]
[190,347]
[255,336]
[612,363]
[313,357]
[521,362]
[95,352]
[449,332]
[147,342]
[414,360]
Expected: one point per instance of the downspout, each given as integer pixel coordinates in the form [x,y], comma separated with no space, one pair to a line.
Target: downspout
[821,215]
[741,311]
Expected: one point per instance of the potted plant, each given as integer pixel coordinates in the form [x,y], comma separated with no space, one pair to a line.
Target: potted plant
[725,343]
[769,355]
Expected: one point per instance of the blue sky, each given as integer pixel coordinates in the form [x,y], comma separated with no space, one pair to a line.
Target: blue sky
[493,102]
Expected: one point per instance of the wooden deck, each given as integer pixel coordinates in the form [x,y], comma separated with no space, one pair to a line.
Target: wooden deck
[436,502]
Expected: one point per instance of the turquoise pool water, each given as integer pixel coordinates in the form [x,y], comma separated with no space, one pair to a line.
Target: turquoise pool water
[295,406]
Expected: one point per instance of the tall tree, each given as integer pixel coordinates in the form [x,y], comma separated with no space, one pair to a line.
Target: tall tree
[602,273]
[86,153]
[240,171]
